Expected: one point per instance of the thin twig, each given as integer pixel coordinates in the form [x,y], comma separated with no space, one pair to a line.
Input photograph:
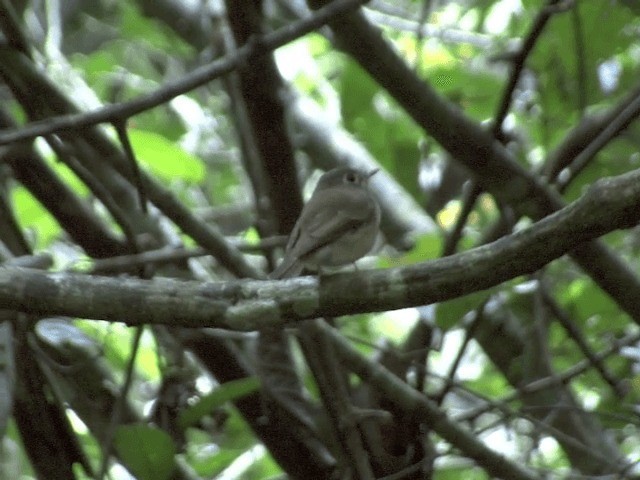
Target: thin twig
[519,60]
[97,188]
[121,130]
[546,382]
[116,414]
[469,335]
[581,68]
[165,255]
[469,201]
[581,160]
[574,332]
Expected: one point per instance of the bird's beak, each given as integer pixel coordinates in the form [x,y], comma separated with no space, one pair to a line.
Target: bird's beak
[372,173]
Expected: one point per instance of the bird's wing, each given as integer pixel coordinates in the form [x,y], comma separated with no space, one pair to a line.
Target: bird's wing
[321,224]
[329,221]
[290,266]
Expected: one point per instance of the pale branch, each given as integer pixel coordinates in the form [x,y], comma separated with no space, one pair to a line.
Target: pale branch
[122,111]
[609,204]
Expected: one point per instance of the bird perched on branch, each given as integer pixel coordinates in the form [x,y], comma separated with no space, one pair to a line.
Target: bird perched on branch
[338,225]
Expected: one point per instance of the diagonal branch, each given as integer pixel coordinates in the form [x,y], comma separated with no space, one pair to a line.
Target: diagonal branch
[590,136]
[122,111]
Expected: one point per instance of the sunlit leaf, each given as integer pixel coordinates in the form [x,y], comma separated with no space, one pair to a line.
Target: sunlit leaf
[223,393]
[451,312]
[34,217]
[164,158]
[147,452]
[426,247]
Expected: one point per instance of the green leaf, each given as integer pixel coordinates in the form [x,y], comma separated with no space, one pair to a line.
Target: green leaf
[454,472]
[68,176]
[147,452]
[490,383]
[476,92]
[96,64]
[592,307]
[164,158]
[33,216]
[449,313]
[224,393]
[357,91]
[559,73]
[211,465]
[137,27]
[427,247]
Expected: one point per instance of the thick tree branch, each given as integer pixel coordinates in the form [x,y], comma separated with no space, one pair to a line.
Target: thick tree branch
[260,86]
[609,204]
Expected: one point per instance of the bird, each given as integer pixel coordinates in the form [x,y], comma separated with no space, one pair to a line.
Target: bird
[337,226]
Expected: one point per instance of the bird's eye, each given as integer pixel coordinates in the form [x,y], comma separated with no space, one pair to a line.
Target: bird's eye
[350,177]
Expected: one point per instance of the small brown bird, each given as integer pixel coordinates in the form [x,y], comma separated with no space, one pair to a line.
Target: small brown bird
[337,226]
